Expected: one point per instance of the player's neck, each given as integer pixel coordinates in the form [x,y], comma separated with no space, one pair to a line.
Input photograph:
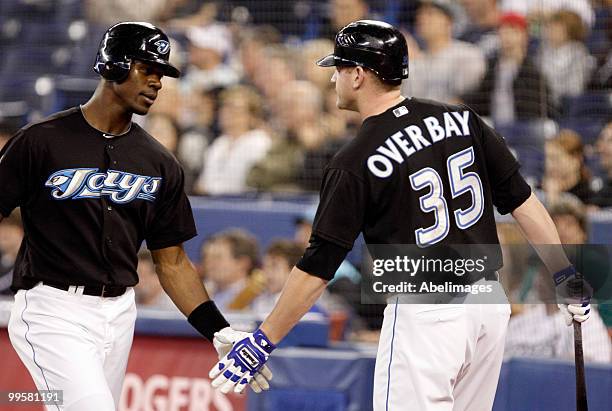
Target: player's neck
[377,104]
[105,116]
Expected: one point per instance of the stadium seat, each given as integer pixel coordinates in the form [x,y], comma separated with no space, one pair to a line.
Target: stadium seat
[590,105]
[527,133]
[23,88]
[532,160]
[588,128]
[70,92]
[36,60]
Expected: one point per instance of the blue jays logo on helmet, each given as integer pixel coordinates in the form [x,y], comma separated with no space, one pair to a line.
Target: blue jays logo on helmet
[163,47]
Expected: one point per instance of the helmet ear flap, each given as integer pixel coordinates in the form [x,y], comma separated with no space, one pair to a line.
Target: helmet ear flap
[113,70]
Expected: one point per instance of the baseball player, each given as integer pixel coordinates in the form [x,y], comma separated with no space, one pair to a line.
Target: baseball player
[418,172]
[92,186]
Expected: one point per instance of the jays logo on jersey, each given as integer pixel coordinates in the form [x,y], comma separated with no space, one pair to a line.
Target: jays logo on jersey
[121,187]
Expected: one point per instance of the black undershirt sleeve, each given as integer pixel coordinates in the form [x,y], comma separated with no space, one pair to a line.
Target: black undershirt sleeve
[341,212]
[510,193]
[322,258]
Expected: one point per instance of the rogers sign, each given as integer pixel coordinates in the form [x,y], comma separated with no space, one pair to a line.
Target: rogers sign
[162,393]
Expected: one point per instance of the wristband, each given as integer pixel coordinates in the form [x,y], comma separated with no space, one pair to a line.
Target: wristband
[263,341]
[564,274]
[207,319]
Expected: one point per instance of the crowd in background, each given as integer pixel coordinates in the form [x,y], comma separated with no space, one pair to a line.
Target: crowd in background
[253,113]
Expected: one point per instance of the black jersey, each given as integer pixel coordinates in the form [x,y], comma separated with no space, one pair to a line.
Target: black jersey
[420,173]
[88,200]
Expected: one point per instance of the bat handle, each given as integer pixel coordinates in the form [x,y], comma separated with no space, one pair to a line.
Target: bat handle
[581,397]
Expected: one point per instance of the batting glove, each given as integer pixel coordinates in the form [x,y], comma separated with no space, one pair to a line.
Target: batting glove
[575,295]
[238,367]
[223,342]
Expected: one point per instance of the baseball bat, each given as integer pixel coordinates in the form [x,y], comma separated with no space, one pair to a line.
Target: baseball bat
[581,395]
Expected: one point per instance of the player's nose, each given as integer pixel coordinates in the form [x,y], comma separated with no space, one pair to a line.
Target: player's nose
[155,82]
[333,77]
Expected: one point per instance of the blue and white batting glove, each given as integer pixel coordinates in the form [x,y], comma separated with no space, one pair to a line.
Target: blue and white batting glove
[247,357]
[223,342]
[574,295]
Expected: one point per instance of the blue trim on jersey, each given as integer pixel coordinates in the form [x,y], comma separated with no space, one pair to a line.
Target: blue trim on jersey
[391,355]
[25,297]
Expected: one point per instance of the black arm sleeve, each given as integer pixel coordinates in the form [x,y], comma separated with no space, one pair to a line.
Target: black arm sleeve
[173,223]
[511,193]
[322,258]
[340,215]
[18,170]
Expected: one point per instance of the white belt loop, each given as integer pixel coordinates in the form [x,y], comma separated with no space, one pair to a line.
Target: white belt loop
[72,289]
[79,289]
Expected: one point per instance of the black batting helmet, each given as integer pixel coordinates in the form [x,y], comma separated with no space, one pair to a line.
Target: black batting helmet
[127,41]
[372,44]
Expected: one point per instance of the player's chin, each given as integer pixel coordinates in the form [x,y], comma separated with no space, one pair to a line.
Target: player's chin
[141,109]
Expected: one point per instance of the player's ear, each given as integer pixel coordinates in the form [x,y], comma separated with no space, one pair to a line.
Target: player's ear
[358,76]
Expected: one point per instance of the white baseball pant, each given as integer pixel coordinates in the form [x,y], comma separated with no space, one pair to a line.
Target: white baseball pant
[440,357]
[75,343]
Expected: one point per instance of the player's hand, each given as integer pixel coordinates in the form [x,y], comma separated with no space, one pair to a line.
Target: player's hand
[573,295]
[239,366]
[575,312]
[223,342]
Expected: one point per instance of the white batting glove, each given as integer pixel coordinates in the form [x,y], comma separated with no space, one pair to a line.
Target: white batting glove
[575,312]
[574,294]
[223,342]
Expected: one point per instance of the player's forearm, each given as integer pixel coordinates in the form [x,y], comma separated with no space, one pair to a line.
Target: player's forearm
[540,231]
[299,294]
[180,281]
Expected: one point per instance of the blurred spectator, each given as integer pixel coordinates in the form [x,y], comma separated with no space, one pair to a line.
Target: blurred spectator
[303,231]
[6,132]
[109,12]
[602,76]
[541,9]
[311,52]
[569,215]
[300,106]
[11,236]
[540,331]
[593,260]
[277,262]
[564,59]
[513,88]
[565,169]
[190,13]
[209,49]
[149,292]
[169,100]
[341,13]
[229,262]
[163,128]
[274,73]
[483,17]
[446,68]
[603,197]
[197,122]
[242,143]
[251,50]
